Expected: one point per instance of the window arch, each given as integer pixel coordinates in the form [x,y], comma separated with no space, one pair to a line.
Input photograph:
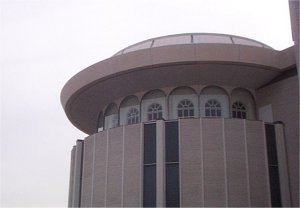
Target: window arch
[185,109]
[239,110]
[155,112]
[210,96]
[213,108]
[111,118]
[100,122]
[133,116]
[128,104]
[246,98]
[178,95]
[157,97]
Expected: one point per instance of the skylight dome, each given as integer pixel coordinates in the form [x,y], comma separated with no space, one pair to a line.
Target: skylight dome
[192,38]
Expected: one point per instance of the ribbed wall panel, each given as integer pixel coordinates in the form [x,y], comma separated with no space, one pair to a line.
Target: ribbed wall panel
[236,164]
[191,163]
[114,168]
[72,177]
[232,161]
[222,163]
[257,164]
[87,172]
[213,163]
[132,166]
[100,170]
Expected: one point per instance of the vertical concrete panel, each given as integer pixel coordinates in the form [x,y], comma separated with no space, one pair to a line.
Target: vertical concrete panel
[237,179]
[114,171]
[87,172]
[99,170]
[283,167]
[72,173]
[257,164]
[190,163]
[213,163]
[160,164]
[76,198]
[132,166]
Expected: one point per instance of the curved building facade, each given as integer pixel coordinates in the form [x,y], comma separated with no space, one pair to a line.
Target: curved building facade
[186,120]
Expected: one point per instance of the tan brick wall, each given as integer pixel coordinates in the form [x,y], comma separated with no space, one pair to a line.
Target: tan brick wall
[191,163]
[132,166]
[223,163]
[110,176]
[236,163]
[114,167]
[257,164]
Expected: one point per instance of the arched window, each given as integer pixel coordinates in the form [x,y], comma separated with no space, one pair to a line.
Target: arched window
[185,109]
[183,94]
[242,96]
[133,116]
[100,122]
[239,110]
[153,106]
[213,108]
[207,97]
[129,112]
[154,112]
[111,119]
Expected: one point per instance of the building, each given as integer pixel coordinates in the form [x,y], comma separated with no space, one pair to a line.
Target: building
[187,120]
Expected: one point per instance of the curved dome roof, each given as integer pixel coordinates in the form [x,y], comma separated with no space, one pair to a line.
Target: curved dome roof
[175,60]
[192,38]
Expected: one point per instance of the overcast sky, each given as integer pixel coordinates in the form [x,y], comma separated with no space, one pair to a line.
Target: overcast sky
[45,42]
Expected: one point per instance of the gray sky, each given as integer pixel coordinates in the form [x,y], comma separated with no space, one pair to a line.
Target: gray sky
[45,42]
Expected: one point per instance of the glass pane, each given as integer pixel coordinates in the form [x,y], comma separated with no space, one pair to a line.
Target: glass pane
[219,113]
[271,144]
[234,114]
[275,186]
[149,186]
[243,41]
[207,113]
[239,114]
[149,143]
[210,38]
[191,113]
[172,185]
[213,113]
[159,115]
[139,46]
[244,115]
[179,113]
[171,134]
[186,113]
[273,165]
[172,40]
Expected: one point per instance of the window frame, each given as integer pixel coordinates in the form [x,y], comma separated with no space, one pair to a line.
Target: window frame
[187,107]
[213,108]
[132,116]
[154,112]
[237,110]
